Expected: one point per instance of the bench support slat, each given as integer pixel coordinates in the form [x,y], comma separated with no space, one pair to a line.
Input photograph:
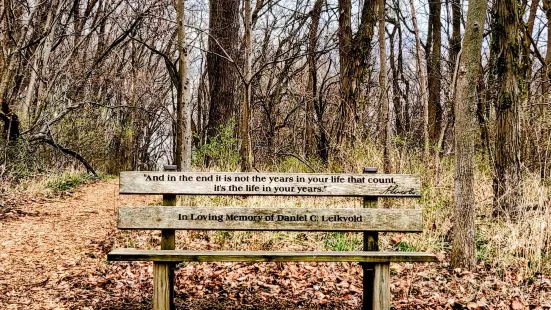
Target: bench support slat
[162,286]
[163,273]
[381,287]
[370,243]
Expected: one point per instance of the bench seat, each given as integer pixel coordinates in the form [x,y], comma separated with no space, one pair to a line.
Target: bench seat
[127,254]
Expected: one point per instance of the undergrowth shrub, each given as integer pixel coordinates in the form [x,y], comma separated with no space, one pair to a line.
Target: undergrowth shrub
[222,150]
[18,161]
[68,181]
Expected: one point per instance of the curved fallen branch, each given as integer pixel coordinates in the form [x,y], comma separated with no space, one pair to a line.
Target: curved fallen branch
[67,151]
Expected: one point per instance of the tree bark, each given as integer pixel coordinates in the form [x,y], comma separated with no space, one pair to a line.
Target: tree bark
[435,72]
[183,106]
[354,52]
[396,91]
[311,102]
[466,130]
[455,42]
[385,110]
[223,27]
[245,151]
[508,69]
[348,104]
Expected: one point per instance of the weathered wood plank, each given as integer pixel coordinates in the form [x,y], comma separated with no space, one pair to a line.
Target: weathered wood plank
[277,184]
[161,286]
[270,219]
[381,287]
[266,256]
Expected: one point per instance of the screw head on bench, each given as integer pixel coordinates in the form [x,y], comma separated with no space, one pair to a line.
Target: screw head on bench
[171,167]
[370,169]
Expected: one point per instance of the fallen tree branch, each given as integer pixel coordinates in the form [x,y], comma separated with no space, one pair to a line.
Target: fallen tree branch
[67,151]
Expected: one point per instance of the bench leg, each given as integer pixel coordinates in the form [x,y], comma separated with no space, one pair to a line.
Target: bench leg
[162,286]
[381,287]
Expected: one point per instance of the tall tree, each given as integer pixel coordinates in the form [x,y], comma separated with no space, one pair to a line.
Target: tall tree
[508,70]
[354,51]
[385,110]
[183,106]
[311,101]
[466,130]
[223,44]
[434,69]
[245,148]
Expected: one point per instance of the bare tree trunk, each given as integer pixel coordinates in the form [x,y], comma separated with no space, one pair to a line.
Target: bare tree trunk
[466,130]
[245,151]
[347,124]
[310,144]
[422,82]
[183,106]
[385,110]
[508,69]
[396,91]
[223,27]
[354,52]
[455,42]
[527,41]
[435,72]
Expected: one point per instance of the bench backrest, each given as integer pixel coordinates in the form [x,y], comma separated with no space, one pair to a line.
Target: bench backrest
[271,184]
[273,218]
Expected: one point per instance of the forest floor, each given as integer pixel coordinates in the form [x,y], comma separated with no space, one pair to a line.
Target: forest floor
[53,256]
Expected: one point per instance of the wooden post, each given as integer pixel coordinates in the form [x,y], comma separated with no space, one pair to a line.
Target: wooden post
[371,243]
[162,286]
[381,287]
[163,273]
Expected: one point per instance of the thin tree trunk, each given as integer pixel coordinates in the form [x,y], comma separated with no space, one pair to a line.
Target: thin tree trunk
[385,110]
[435,73]
[422,82]
[396,91]
[466,130]
[244,131]
[183,107]
[346,125]
[310,144]
[455,42]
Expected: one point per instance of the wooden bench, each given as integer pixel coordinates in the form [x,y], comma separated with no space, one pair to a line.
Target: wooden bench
[369,220]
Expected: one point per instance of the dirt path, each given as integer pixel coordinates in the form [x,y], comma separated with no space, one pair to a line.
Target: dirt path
[52,256]
[55,246]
